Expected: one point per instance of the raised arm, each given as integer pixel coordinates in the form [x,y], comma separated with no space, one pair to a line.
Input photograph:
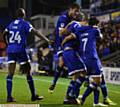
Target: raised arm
[39,34]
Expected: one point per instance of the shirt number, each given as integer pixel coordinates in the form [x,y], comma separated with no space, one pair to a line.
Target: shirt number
[84,40]
[15,36]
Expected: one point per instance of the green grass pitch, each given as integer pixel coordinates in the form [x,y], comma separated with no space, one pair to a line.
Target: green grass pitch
[22,94]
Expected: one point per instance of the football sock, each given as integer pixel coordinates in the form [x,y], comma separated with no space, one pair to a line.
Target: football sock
[79,82]
[71,89]
[88,91]
[104,89]
[57,74]
[31,85]
[96,96]
[9,85]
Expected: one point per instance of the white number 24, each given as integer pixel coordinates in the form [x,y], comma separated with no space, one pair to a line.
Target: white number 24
[15,36]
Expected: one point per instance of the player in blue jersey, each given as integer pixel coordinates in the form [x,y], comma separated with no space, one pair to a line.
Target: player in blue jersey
[89,64]
[90,69]
[74,63]
[16,34]
[63,20]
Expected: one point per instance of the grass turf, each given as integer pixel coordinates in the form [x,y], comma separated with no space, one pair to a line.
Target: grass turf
[22,94]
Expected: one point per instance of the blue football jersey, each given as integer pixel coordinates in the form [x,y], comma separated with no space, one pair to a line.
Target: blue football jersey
[63,20]
[18,31]
[72,28]
[88,41]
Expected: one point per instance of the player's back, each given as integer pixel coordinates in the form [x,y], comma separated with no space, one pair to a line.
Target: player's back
[17,35]
[88,42]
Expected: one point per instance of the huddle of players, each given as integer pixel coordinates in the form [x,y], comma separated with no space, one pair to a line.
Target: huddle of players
[80,59]
[76,49]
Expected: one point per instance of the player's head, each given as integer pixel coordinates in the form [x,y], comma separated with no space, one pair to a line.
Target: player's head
[74,10]
[20,13]
[93,21]
[83,18]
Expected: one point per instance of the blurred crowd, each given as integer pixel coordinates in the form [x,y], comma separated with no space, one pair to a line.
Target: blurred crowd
[111,38]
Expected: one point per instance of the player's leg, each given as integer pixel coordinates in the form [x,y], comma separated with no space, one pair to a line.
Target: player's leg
[26,68]
[94,70]
[71,91]
[94,83]
[79,82]
[104,90]
[58,70]
[11,70]
[75,66]
[96,99]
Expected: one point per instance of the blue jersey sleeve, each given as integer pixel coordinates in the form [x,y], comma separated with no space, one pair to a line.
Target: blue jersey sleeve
[62,22]
[77,33]
[28,27]
[73,26]
[83,28]
[98,33]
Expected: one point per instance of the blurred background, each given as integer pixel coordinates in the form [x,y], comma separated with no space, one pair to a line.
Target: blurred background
[43,15]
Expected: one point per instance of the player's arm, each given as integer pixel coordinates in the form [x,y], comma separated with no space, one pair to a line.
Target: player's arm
[68,38]
[39,34]
[29,28]
[5,33]
[66,31]
[99,35]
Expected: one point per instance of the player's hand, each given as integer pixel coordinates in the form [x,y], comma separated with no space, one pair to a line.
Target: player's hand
[51,42]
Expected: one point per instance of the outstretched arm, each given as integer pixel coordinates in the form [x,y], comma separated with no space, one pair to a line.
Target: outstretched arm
[39,34]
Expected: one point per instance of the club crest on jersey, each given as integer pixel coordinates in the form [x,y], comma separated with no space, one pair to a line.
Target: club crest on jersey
[62,25]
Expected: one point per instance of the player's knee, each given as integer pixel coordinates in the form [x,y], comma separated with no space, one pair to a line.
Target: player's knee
[61,62]
[83,74]
[96,80]
[11,68]
[25,68]
[75,76]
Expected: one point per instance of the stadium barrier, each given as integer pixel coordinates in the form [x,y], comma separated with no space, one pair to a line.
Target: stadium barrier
[112,75]
[3,62]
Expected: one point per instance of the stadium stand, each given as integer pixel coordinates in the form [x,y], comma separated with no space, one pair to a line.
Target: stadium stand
[112,60]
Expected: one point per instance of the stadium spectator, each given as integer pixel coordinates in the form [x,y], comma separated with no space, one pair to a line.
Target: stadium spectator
[45,59]
[111,40]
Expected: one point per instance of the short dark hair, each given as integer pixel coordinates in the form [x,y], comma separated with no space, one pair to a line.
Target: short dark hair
[20,12]
[74,5]
[93,21]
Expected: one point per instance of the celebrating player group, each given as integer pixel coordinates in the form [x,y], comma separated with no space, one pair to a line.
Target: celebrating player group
[75,46]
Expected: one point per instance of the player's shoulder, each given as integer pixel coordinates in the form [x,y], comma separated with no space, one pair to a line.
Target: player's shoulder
[63,16]
[25,22]
[10,24]
[96,29]
[74,24]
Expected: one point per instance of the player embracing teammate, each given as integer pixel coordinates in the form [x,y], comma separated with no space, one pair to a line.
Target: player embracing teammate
[86,36]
